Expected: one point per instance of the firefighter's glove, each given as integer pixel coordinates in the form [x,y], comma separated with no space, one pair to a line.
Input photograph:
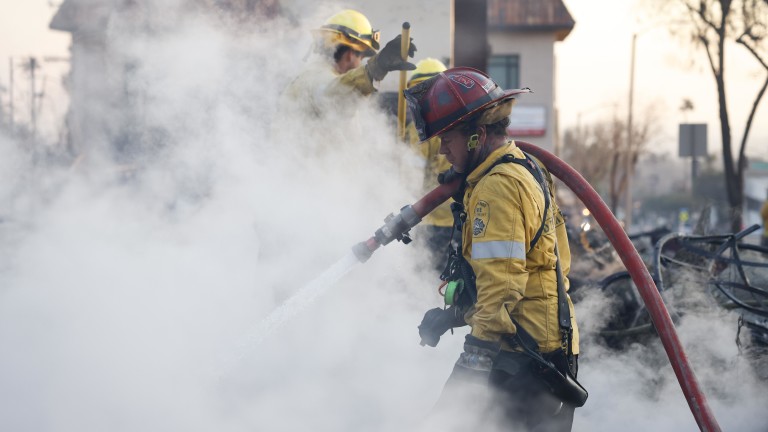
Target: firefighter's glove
[388,60]
[438,321]
[478,356]
[448,176]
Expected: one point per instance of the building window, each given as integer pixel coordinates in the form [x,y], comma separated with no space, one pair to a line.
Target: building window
[505,70]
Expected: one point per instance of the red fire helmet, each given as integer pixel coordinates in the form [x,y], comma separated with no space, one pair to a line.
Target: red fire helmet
[451,97]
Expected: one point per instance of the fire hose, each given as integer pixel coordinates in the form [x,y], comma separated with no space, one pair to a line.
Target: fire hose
[396,227]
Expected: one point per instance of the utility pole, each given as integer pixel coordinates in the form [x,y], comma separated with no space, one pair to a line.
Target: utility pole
[10,95]
[629,165]
[2,110]
[629,159]
[33,96]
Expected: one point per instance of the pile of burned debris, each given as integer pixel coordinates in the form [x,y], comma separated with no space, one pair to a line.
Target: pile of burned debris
[694,273]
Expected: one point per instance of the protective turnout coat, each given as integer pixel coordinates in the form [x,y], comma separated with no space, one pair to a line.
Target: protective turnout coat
[764,215]
[433,164]
[319,88]
[504,210]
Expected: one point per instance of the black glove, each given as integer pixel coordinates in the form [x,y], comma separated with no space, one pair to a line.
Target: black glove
[438,321]
[449,175]
[388,60]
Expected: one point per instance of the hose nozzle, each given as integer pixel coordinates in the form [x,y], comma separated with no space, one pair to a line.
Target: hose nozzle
[394,228]
[397,227]
[363,251]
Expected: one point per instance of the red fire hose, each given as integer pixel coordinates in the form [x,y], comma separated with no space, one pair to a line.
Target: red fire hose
[640,276]
[396,228]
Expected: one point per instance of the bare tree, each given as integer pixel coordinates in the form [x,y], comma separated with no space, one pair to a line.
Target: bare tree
[597,151]
[580,147]
[715,23]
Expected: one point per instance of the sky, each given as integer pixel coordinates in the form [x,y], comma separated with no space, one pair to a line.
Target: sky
[594,75]
[144,299]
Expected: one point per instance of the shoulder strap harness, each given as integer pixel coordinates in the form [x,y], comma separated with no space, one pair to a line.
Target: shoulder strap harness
[459,268]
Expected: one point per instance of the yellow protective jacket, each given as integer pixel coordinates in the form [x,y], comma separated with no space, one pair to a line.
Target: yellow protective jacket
[319,88]
[504,211]
[764,214]
[433,164]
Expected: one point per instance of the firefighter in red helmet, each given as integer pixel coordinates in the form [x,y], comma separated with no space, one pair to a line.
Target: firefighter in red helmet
[508,278]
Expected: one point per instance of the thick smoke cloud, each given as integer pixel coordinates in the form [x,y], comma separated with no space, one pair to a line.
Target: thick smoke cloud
[130,292]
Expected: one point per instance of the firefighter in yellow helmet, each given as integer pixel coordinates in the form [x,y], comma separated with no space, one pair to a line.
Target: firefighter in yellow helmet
[437,225]
[337,68]
[508,279]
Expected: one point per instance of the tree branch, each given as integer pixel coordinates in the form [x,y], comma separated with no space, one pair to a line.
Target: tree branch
[754,53]
[701,13]
[712,66]
[742,41]
[701,32]
[749,122]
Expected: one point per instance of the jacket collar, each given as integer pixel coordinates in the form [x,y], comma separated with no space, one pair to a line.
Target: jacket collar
[479,172]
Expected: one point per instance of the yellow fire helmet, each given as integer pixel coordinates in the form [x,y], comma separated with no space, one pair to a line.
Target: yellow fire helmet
[351,28]
[425,69]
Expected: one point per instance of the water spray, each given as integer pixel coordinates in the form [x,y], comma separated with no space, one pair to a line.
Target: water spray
[396,227]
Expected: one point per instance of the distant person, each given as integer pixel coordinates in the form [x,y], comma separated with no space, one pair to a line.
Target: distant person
[683,218]
[336,68]
[764,214]
[437,225]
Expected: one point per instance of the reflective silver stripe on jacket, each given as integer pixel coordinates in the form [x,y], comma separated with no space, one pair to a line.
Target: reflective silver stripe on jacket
[498,249]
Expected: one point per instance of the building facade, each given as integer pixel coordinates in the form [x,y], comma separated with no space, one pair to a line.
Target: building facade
[522,36]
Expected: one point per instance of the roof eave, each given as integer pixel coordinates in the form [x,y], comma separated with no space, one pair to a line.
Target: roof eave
[63,19]
[560,31]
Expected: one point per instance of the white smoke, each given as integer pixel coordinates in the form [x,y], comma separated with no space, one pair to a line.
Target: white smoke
[636,389]
[127,292]
[127,288]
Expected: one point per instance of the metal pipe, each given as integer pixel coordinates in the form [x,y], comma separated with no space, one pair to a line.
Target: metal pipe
[405,45]
[629,165]
[10,94]
[33,96]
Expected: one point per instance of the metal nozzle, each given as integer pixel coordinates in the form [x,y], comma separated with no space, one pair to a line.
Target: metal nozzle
[362,251]
[396,227]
